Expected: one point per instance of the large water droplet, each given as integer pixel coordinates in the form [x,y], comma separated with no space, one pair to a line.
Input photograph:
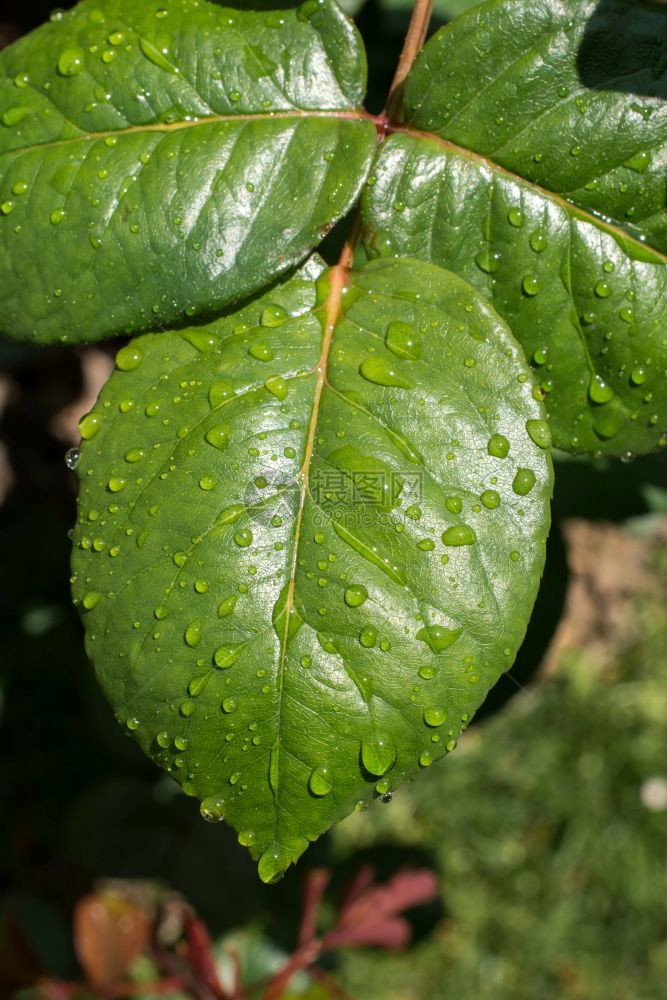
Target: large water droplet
[72,458]
[274,315]
[262,352]
[128,358]
[380,371]
[218,436]
[227,606]
[10,118]
[320,781]
[378,756]
[459,534]
[212,809]
[498,446]
[599,391]
[71,62]
[192,633]
[356,595]
[490,499]
[226,656]
[435,717]
[523,482]
[368,636]
[437,637]
[157,57]
[277,386]
[402,340]
[538,431]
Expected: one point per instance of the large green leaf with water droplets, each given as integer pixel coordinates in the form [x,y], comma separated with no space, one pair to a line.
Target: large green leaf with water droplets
[163,158]
[587,303]
[309,539]
[546,117]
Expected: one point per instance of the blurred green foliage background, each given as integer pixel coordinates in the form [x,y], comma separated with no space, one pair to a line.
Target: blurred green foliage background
[548,826]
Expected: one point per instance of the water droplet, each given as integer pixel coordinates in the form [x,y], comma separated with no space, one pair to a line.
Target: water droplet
[162,739]
[14,116]
[71,62]
[539,432]
[160,612]
[380,371]
[413,512]
[274,315]
[116,484]
[116,38]
[599,391]
[368,636]
[128,358]
[638,375]
[229,705]
[91,600]
[243,537]
[402,340]
[356,595]
[515,217]
[454,504]
[192,633]
[57,216]
[226,656]
[134,455]
[277,386]
[426,759]
[218,436]
[320,782]
[7,207]
[487,261]
[426,545]
[538,242]
[523,482]
[378,756]
[531,285]
[157,57]
[211,809]
[640,162]
[603,289]
[226,607]
[490,499]
[437,637]
[498,446]
[434,717]
[72,458]
[207,483]
[459,534]
[262,352]
[132,723]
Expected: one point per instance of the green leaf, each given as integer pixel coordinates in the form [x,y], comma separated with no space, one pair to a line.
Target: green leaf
[569,95]
[547,117]
[309,539]
[587,303]
[162,159]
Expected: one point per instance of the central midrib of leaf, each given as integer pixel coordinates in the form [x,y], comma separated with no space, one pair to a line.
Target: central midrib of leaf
[199,120]
[330,313]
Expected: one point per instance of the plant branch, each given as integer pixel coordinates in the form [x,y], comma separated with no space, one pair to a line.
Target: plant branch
[414,40]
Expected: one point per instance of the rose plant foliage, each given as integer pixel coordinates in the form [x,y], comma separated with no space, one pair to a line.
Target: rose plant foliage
[314,499]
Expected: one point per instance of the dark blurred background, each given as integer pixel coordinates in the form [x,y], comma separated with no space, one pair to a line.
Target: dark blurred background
[548,827]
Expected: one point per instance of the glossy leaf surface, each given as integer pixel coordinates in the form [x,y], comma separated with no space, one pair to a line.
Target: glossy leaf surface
[569,95]
[533,166]
[160,160]
[309,539]
[587,302]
